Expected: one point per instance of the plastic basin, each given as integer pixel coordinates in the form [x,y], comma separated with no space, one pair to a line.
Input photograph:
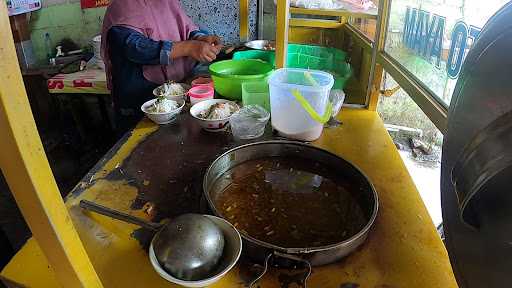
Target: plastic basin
[267,56]
[229,75]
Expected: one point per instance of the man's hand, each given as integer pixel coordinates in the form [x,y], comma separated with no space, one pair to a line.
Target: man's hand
[210,39]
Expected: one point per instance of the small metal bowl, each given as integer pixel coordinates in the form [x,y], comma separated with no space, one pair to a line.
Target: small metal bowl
[231,254]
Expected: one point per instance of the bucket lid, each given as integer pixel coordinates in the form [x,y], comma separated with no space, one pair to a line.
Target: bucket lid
[303,79]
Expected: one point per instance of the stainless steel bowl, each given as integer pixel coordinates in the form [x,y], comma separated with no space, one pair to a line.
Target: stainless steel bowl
[316,256]
[192,247]
[261,45]
[189,247]
[231,254]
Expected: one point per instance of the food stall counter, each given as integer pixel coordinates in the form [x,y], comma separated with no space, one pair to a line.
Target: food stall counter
[156,172]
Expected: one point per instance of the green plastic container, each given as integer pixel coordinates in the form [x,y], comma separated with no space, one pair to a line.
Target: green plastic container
[229,75]
[326,59]
[267,56]
[256,93]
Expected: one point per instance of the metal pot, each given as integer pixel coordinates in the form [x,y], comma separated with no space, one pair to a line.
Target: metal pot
[484,165]
[310,256]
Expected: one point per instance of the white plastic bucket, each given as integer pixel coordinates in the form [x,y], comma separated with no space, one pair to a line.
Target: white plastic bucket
[290,92]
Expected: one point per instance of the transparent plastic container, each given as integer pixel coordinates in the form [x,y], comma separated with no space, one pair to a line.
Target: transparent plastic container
[299,102]
[249,122]
[256,93]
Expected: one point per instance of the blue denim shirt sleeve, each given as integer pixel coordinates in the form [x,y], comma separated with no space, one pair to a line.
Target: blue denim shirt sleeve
[197,33]
[165,53]
[139,48]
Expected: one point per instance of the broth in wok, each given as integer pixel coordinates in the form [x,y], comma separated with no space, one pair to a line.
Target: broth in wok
[289,202]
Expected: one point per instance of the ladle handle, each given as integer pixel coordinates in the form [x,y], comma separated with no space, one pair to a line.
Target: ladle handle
[100,209]
[276,254]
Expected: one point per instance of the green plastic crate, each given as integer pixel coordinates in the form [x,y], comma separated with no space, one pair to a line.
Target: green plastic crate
[327,59]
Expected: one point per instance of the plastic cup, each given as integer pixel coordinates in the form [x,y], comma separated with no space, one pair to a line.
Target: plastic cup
[249,122]
[202,81]
[256,93]
[200,93]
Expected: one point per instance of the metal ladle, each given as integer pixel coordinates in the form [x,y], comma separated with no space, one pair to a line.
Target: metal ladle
[189,247]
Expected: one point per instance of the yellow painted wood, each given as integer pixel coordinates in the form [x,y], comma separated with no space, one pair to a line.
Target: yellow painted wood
[305,35]
[360,60]
[282,26]
[26,169]
[402,250]
[376,71]
[375,88]
[358,37]
[316,23]
[339,13]
[313,36]
[244,20]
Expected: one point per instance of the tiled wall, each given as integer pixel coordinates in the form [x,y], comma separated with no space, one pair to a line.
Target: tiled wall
[65,18]
[62,18]
[221,17]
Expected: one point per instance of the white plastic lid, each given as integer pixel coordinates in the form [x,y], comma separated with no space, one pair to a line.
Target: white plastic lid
[303,79]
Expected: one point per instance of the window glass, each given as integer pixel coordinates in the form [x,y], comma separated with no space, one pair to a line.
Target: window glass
[418,141]
[431,38]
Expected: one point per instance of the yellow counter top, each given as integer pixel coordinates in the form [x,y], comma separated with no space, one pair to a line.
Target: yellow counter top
[403,249]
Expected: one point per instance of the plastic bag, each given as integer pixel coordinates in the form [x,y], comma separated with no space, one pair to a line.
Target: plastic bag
[332,4]
[360,4]
[315,4]
[249,122]
[337,97]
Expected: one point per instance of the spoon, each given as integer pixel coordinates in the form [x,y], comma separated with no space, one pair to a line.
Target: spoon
[189,247]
